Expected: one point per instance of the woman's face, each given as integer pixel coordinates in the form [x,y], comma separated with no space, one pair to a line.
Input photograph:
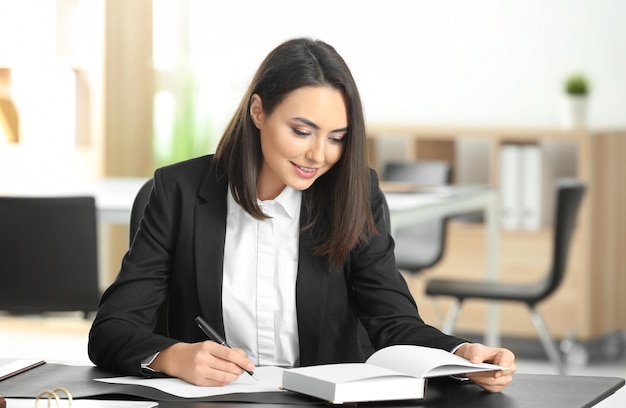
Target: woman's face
[302,138]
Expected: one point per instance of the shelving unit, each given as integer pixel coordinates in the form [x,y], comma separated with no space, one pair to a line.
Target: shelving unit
[590,302]
[9,122]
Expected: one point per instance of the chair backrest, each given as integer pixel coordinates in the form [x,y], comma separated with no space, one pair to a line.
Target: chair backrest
[421,245]
[386,216]
[569,194]
[48,254]
[139,204]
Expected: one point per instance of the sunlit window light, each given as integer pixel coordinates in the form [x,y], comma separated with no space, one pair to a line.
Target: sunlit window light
[164,104]
[164,49]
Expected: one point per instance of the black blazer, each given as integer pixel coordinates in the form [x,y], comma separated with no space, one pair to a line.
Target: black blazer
[177,257]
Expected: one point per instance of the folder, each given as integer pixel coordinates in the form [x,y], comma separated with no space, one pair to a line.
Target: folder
[10,368]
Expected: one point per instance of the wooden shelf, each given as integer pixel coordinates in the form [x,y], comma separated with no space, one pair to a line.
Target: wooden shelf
[591,301]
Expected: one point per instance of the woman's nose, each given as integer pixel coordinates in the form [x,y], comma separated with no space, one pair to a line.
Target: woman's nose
[316,150]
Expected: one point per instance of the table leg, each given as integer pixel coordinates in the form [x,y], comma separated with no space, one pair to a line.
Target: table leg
[492,229]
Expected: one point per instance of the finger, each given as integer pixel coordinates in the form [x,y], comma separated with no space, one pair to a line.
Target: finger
[236,358]
[209,376]
[485,375]
[479,376]
[477,353]
[491,384]
[211,371]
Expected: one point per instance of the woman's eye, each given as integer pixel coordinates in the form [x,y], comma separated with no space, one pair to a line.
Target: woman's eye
[337,139]
[300,132]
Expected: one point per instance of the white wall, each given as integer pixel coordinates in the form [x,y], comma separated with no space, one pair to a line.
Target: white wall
[482,62]
[441,62]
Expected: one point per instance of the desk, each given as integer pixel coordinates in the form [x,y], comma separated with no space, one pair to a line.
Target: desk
[408,208]
[526,390]
[114,198]
[532,391]
[114,195]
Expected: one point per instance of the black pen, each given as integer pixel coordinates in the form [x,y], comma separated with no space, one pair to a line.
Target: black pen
[215,336]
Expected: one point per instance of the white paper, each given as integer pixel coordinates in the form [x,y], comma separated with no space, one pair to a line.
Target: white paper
[270,379]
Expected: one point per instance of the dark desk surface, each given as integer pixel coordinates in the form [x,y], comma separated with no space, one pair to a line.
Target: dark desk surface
[526,390]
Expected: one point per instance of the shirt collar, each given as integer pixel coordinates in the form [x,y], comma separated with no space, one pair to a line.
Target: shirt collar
[289,200]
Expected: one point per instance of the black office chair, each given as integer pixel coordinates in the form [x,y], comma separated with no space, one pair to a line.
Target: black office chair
[48,254]
[569,194]
[419,246]
[139,204]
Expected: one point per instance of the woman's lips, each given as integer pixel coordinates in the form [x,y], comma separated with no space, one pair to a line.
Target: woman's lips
[305,172]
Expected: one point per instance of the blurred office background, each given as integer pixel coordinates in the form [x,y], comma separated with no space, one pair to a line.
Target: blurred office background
[107,88]
[76,69]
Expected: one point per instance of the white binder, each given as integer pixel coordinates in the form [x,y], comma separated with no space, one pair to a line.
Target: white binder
[510,182]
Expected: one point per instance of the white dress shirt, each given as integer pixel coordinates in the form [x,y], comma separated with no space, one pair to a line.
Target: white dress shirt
[259,286]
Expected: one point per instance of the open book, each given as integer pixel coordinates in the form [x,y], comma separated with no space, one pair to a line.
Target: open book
[392,373]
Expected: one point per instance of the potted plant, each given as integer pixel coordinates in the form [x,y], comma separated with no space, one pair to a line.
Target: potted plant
[575,103]
[577,85]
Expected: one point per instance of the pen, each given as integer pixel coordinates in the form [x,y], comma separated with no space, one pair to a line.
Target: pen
[215,336]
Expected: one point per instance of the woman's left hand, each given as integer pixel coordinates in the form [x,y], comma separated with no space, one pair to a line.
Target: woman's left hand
[493,381]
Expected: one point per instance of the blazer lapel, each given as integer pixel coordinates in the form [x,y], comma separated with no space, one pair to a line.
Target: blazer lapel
[311,294]
[210,231]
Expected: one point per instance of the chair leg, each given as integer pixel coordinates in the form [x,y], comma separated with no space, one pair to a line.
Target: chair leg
[450,320]
[547,342]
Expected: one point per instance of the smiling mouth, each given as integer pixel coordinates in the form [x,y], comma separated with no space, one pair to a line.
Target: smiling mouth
[305,172]
[305,169]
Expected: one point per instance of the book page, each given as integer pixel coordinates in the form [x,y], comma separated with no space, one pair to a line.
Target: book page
[347,372]
[425,362]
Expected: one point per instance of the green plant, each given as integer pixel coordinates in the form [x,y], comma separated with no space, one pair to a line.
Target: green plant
[577,85]
[189,133]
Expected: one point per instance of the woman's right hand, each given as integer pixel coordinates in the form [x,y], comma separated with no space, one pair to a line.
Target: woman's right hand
[206,363]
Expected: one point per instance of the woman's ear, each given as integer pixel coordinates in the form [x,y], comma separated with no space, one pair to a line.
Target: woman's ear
[256,110]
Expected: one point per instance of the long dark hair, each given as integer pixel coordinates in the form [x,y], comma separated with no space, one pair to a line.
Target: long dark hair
[337,203]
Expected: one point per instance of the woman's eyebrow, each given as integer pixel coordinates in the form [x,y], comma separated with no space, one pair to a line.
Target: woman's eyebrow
[316,126]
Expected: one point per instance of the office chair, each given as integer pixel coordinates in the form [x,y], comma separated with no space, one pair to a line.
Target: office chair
[569,194]
[419,246]
[48,254]
[136,211]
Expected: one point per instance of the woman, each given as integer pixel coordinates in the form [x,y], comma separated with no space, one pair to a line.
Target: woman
[278,241]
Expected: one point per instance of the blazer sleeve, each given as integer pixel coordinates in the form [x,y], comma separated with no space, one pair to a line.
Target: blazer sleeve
[383,301]
[122,333]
